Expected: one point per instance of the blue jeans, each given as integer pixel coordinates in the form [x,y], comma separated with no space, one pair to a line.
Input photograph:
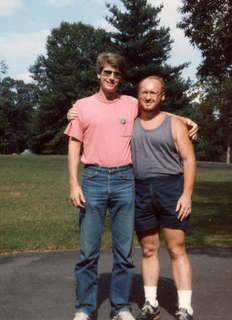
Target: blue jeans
[113,189]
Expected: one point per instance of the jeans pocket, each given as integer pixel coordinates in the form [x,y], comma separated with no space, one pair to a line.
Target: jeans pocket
[90,173]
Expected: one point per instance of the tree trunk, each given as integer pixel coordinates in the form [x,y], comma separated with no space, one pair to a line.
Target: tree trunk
[228,154]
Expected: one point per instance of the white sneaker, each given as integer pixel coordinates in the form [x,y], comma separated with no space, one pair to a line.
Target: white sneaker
[123,315]
[81,316]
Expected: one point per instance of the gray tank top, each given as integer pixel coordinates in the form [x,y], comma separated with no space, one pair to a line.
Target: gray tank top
[154,151]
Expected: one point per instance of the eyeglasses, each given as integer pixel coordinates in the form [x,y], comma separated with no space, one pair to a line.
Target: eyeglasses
[108,73]
[151,93]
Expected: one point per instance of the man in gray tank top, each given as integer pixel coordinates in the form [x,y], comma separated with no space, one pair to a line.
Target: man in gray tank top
[164,166]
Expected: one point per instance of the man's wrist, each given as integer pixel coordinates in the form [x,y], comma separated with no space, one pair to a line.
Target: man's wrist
[187,193]
[74,183]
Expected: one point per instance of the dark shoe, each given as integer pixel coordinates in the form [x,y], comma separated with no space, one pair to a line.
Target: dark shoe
[123,315]
[182,314]
[148,312]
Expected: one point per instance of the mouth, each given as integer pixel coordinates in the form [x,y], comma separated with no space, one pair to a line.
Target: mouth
[148,104]
[110,84]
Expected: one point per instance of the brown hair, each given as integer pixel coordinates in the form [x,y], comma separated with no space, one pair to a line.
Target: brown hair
[113,59]
[160,79]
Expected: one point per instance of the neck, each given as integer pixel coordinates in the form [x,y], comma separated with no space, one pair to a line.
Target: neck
[149,115]
[107,95]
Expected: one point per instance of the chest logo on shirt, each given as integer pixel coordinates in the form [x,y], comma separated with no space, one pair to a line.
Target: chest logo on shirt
[123,121]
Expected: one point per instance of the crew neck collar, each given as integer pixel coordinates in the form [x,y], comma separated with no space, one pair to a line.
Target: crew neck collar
[102,99]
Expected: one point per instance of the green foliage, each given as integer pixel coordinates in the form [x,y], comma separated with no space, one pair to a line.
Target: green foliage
[16,109]
[208,24]
[214,117]
[139,37]
[219,95]
[67,73]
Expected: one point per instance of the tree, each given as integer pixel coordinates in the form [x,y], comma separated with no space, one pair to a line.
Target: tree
[208,24]
[16,107]
[67,73]
[147,46]
[219,98]
[211,144]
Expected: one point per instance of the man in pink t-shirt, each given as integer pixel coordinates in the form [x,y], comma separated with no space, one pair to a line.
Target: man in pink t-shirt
[104,126]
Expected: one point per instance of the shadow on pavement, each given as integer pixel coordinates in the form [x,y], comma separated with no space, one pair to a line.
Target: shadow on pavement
[166,292]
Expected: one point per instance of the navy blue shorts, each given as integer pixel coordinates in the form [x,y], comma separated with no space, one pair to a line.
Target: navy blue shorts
[155,203]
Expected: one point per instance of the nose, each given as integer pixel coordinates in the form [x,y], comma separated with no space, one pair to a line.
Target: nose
[148,96]
[112,76]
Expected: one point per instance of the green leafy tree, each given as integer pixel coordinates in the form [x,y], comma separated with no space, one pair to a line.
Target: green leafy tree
[65,74]
[219,99]
[147,46]
[16,108]
[208,24]
[209,146]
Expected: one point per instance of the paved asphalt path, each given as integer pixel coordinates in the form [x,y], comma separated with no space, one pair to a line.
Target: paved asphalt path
[40,286]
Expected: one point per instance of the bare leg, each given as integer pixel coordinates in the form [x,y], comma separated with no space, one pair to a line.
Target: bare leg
[149,242]
[181,268]
[150,260]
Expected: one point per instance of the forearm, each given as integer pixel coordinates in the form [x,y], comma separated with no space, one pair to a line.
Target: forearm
[189,166]
[73,161]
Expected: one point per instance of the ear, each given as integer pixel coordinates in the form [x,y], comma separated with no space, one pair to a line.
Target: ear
[98,76]
[163,97]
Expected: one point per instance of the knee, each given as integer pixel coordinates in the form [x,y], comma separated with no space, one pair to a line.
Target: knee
[176,251]
[150,251]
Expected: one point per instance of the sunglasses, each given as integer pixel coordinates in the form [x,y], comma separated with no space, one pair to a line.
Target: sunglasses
[108,73]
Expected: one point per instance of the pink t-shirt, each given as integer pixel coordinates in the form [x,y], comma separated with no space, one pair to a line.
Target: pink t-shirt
[105,128]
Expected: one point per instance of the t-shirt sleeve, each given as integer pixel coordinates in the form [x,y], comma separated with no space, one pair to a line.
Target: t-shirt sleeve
[74,128]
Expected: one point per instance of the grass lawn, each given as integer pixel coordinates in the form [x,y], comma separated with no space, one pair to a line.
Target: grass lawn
[35,213]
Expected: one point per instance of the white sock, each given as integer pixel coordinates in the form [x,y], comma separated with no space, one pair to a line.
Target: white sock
[151,295]
[184,300]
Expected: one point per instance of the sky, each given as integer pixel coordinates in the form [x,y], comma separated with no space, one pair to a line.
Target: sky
[25,25]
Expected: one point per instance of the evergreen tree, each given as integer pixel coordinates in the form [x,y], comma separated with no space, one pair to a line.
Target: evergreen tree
[146,46]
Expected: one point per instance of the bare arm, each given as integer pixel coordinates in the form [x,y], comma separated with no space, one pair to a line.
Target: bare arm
[76,196]
[191,125]
[185,149]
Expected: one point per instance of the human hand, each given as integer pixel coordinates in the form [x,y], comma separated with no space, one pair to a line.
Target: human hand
[192,128]
[76,197]
[72,113]
[183,207]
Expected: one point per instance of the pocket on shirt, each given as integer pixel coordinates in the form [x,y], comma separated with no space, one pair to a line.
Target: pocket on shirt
[126,129]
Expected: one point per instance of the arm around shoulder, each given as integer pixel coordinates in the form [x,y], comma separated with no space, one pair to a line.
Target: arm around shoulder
[191,125]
